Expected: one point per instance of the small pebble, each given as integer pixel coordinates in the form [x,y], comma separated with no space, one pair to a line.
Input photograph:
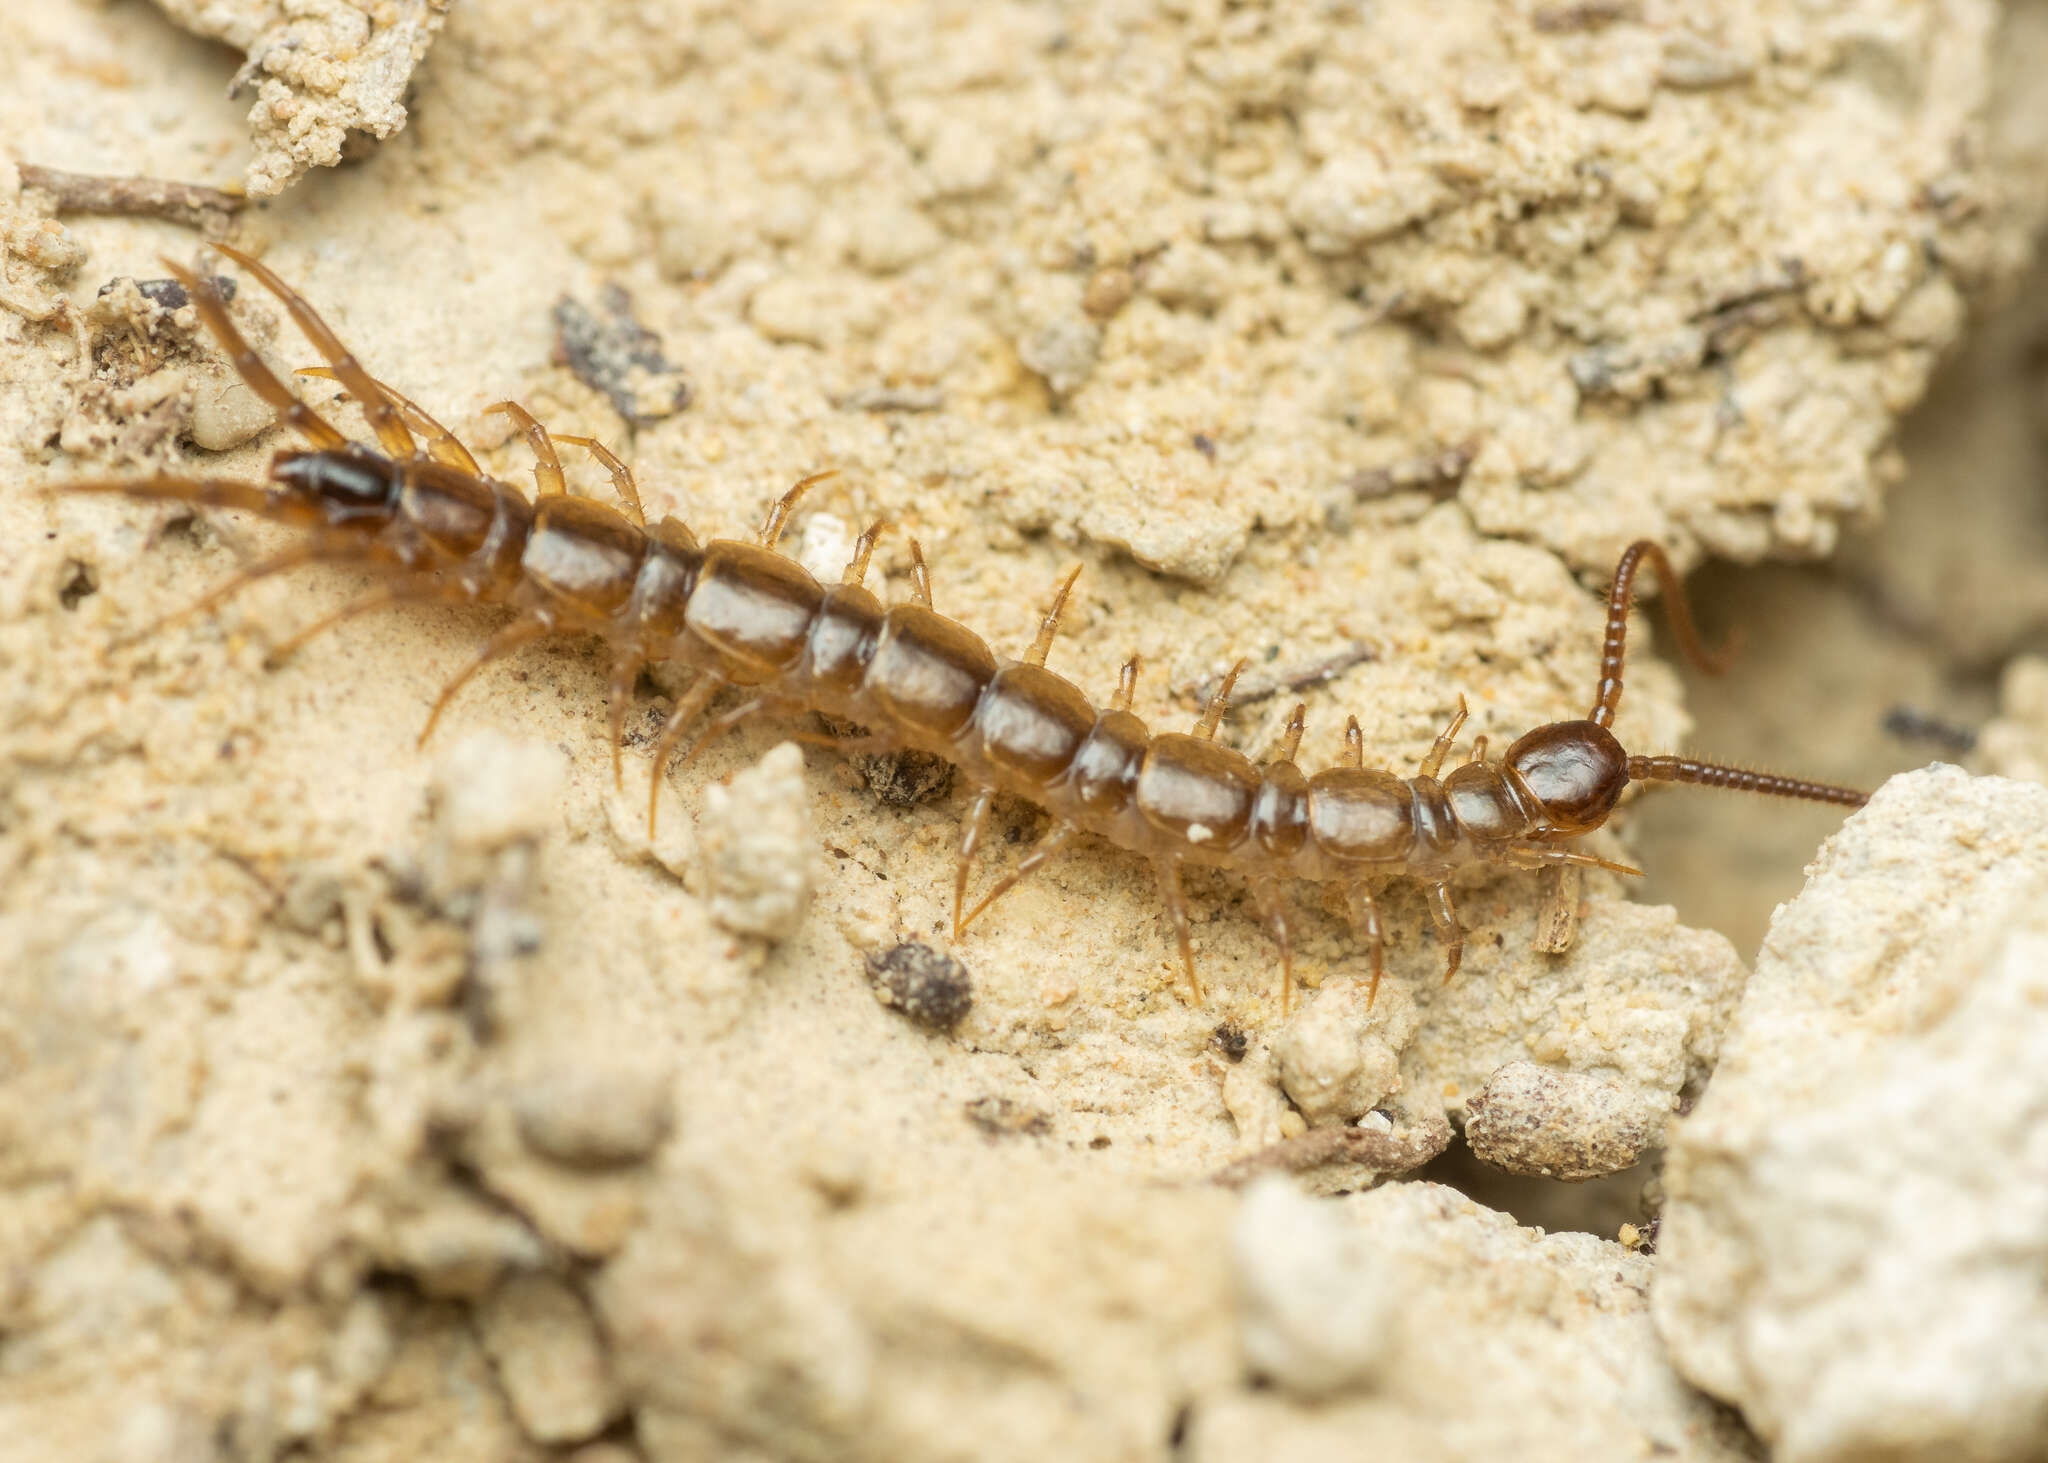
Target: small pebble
[933,990]
[593,1118]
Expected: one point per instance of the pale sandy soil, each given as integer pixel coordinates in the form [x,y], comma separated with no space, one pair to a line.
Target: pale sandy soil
[378,1102]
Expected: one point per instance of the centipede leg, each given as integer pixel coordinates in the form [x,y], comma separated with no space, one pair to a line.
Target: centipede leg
[547,467]
[291,411]
[376,599]
[1540,856]
[1448,930]
[622,475]
[507,640]
[778,515]
[970,839]
[377,408]
[619,696]
[1273,909]
[1177,907]
[1041,854]
[724,722]
[1365,919]
[311,551]
[687,710]
[1433,763]
[442,445]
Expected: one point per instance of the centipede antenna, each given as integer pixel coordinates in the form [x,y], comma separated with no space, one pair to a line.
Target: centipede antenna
[1126,685]
[1607,695]
[1212,714]
[622,475]
[1354,745]
[547,467]
[778,516]
[920,576]
[1290,740]
[864,550]
[1050,625]
[1742,779]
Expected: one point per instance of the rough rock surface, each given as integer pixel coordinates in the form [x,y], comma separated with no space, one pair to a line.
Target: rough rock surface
[1857,1219]
[312,1042]
[322,72]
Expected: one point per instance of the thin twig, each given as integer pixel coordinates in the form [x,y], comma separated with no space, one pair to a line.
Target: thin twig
[191,204]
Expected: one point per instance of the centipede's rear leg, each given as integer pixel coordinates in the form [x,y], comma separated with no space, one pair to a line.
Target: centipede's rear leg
[291,411]
[1041,854]
[442,445]
[378,408]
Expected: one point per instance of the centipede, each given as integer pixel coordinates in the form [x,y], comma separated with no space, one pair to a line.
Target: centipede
[419,512]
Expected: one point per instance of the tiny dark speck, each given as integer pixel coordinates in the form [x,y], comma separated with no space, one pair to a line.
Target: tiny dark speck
[1206,445]
[1098,1142]
[1231,1041]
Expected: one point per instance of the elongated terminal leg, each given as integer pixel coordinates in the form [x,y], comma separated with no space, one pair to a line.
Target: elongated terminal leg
[291,411]
[1365,919]
[1448,930]
[687,710]
[512,637]
[377,408]
[442,445]
[970,839]
[1041,854]
[1433,763]
[1273,909]
[1177,907]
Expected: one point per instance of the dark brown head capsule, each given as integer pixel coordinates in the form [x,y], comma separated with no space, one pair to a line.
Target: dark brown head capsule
[1574,770]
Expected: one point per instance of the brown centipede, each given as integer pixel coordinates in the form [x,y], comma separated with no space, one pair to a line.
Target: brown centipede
[420,509]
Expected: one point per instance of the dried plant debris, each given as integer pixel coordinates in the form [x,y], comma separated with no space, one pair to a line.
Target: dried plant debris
[617,355]
[193,204]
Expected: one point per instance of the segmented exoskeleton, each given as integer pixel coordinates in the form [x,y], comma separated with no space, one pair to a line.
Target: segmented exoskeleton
[419,508]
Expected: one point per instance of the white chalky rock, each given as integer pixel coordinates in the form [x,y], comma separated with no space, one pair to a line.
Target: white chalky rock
[1857,1226]
[1316,1304]
[1339,1057]
[755,840]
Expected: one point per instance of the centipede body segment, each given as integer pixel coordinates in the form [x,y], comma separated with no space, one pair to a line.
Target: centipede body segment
[419,509]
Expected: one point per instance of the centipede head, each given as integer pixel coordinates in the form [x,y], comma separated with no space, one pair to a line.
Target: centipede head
[1576,771]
